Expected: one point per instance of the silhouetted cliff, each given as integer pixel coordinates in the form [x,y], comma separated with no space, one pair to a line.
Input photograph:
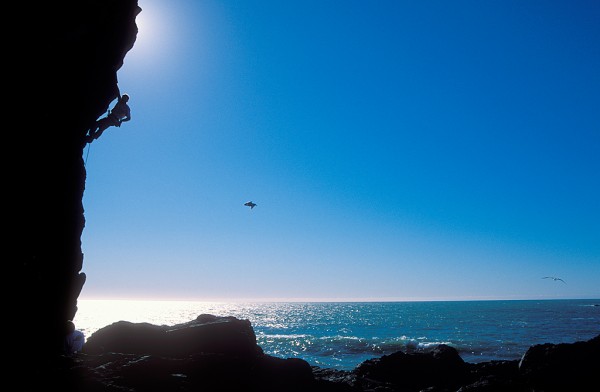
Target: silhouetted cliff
[65,57]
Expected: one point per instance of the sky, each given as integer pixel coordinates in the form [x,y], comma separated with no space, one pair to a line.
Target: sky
[396,150]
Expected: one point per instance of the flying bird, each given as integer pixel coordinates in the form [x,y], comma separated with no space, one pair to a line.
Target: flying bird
[553,278]
[250,204]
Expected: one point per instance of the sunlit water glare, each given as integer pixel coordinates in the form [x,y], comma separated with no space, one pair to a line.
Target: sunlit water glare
[342,335]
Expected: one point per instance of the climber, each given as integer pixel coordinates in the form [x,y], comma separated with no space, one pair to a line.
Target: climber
[74,339]
[119,113]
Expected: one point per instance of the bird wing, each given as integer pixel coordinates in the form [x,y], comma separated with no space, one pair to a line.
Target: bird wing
[553,278]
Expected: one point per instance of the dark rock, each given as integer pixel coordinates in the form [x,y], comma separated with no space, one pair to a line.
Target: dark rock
[505,369]
[281,374]
[334,375]
[199,372]
[148,358]
[126,337]
[416,371]
[66,60]
[66,71]
[212,353]
[562,367]
[494,376]
[206,334]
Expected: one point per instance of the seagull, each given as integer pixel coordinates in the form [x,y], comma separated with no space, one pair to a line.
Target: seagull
[553,278]
[250,204]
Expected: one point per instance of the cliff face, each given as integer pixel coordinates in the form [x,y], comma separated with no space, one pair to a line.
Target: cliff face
[68,76]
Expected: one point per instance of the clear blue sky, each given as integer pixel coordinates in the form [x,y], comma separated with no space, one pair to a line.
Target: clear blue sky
[395,150]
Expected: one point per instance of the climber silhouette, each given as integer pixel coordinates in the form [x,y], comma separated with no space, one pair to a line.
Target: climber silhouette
[119,113]
[74,339]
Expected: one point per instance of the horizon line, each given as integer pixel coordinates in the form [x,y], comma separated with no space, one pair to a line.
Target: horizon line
[330,299]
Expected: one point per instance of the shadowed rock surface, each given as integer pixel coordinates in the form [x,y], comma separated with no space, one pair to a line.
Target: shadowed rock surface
[206,334]
[440,367]
[220,354]
[65,56]
[66,69]
[560,367]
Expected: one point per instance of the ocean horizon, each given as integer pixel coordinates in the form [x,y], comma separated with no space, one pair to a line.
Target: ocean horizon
[343,334]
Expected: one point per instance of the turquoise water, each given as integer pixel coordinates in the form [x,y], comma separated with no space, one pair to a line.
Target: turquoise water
[344,334]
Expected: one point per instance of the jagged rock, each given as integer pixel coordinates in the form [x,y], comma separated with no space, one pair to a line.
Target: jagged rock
[141,357]
[494,376]
[562,367]
[206,334]
[209,353]
[67,63]
[416,371]
[110,372]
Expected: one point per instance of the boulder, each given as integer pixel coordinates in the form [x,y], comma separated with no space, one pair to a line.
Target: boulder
[205,334]
[562,367]
[208,353]
[416,371]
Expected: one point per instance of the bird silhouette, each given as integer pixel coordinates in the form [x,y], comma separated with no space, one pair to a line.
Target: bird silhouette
[250,204]
[554,278]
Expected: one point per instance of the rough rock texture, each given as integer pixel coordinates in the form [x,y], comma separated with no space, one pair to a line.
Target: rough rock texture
[63,58]
[562,367]
[220,354]
[206,334]
[66,67]
[210,353]
[440,367]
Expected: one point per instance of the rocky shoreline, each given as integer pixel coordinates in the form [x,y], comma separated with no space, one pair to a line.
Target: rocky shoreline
[76,50]
[214,353]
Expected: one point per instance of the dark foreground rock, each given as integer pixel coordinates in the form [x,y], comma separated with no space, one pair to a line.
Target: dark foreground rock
[562,367]
[220,354]
[65,67]
[205,334]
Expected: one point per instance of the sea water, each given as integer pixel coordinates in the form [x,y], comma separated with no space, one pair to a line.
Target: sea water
[341,335]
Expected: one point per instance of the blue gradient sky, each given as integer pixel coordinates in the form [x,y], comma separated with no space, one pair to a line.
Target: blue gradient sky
[395,149]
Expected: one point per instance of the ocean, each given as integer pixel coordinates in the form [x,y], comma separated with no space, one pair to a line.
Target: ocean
[341,335]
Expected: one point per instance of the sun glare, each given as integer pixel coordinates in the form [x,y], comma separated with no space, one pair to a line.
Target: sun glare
[152,35]
[167,40]
[158,39]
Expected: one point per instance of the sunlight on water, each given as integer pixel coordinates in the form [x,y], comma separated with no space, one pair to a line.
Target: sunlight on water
[95,314]
[342,335]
